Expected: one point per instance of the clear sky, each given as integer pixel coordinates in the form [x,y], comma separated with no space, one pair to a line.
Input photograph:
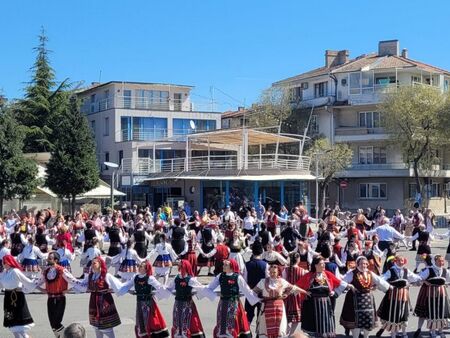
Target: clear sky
[237,46]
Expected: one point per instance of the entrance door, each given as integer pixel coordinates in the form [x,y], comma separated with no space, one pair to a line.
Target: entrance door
[177,97]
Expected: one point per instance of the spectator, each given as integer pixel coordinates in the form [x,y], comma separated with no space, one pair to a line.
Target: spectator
[74,330]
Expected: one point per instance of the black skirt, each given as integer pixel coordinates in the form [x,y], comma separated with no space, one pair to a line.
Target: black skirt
[15,309]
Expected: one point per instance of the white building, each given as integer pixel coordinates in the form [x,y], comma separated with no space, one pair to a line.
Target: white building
[129,118]
[343,96]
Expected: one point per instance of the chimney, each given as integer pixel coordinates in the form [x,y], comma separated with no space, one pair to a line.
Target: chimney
[388,47]
[241,109]
[335,58]
[405,53]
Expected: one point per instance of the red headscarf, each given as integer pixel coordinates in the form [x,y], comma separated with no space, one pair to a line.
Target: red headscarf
[10,260]
[148,268]
[234,265]
[185,268]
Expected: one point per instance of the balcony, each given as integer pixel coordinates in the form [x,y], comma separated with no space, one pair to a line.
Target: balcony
[349,134]
[393,169]
[142,103]
[153,134]
[264,163]
[312,101]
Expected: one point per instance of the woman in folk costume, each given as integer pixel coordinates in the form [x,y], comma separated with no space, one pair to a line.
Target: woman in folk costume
[354,235]
[164,259]
[433,302]
[293,303]
[237,245]
[306,254]
[360,300]
[65,256]
[17,317]
[424,248]
[29,259]
[317,311]
[394,308]
[186,321]
[207,238]
[88,256]
[103,314]
[130,261]
[272,321]
[361,221]
[231,317]
[150,322]
[373,258]
[333,222]
[191,252]
[351,253]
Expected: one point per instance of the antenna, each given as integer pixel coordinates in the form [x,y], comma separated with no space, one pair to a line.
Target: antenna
[100,77]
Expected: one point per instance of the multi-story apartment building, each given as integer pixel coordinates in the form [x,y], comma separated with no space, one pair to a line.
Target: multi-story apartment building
[343,96]
[132,120]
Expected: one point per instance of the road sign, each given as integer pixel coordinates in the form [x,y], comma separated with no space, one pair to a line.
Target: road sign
[343,184]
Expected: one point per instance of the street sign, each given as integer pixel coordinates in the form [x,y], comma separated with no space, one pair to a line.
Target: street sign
[343,184]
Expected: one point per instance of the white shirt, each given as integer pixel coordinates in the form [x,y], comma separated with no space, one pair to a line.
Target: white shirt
[385,233]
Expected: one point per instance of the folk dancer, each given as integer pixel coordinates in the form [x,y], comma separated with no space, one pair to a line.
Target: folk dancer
[360,300]
[164,259]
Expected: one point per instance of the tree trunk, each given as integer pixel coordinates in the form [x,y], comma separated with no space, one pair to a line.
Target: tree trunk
[73,205]
[417,178]
[322,197]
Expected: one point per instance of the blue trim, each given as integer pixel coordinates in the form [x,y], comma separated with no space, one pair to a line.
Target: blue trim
[281,193]
[227,193]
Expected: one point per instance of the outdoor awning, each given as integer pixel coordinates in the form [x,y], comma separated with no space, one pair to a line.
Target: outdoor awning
[235,136]
[101,192]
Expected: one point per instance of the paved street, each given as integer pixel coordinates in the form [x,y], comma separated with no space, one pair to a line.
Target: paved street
[77,310]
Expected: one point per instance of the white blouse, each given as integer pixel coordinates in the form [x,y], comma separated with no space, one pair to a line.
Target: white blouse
[14,278]
[31,252]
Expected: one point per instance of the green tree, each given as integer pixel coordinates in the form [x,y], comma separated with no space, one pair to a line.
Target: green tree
[72,169]
[18,175]
[329,160]
[417,124]
[43,102]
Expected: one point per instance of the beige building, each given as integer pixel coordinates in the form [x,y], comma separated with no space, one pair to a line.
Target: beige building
[343,95]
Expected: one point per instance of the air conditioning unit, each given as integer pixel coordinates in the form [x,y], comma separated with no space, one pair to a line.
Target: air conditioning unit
[304,85]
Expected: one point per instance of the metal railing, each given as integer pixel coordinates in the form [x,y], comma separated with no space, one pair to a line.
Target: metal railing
[378,166]
[356,130]
[153,134]
[145,166]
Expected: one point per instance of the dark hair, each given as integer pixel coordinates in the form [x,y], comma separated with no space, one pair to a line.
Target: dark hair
[316,260]
[325,251]
[293,258]
[263,226]
[56,256]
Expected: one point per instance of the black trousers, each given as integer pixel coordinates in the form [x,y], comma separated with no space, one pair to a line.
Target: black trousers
[55,310]
[415,231]
[250,309]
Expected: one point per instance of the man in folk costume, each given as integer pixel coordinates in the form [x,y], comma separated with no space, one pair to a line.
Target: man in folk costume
[360,300]
[317,311]
[395,306]
[433,302]
[56,279]
[272,320]
[231,318]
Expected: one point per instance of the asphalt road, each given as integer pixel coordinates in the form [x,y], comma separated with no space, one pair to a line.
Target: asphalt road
[77,308]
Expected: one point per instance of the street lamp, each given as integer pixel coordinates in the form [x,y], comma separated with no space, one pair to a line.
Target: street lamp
[113,166]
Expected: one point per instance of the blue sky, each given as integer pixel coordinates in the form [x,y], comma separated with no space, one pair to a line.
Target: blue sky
[239,47]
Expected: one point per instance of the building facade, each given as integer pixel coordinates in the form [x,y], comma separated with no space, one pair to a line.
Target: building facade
[343,97]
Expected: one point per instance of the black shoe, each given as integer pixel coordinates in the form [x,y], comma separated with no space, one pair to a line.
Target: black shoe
[361,335]
[417,333]
[347,332]
[379,333]
[415,271]
[413,249]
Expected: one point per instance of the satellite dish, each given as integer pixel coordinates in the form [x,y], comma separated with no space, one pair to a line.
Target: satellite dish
[111,164]
[192,124]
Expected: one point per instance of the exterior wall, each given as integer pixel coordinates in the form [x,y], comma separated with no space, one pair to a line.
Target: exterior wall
[38,202]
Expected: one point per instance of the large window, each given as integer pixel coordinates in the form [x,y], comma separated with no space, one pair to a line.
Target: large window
[372,191]
[183,126]
[371,119]
[314,124]
[106,127]
[320,89]
[433,189]
[147,99]
[361,82]
[372,155]
[143,128]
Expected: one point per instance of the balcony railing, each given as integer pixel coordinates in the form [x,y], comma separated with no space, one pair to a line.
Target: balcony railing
[146,166]
[153,134]
[378,166]
[344,131]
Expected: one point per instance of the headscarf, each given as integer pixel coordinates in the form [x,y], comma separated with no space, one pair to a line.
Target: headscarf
[148,268]
[234,265]
[103,268]
[11,261]
[185,268]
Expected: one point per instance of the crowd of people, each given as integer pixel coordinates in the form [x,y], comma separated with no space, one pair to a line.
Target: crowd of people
[289,267]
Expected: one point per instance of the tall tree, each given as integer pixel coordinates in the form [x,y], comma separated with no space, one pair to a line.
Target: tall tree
[415,119]
[42,103]
[18,175]
[329,160]
[72,169]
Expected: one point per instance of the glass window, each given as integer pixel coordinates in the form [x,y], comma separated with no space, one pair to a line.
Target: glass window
[379,155]
[320,89]
[127,98]
[314,125]
[355,83]
[183,126]
[371,119]
[106,127]
[93,126]
[365,155]
[372,190]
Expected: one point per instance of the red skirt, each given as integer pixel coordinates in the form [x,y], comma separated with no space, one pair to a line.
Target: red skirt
[273,313]
[102,311]
[231,320]
[293,304]
[191,257]
[186,321]
[149,320]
